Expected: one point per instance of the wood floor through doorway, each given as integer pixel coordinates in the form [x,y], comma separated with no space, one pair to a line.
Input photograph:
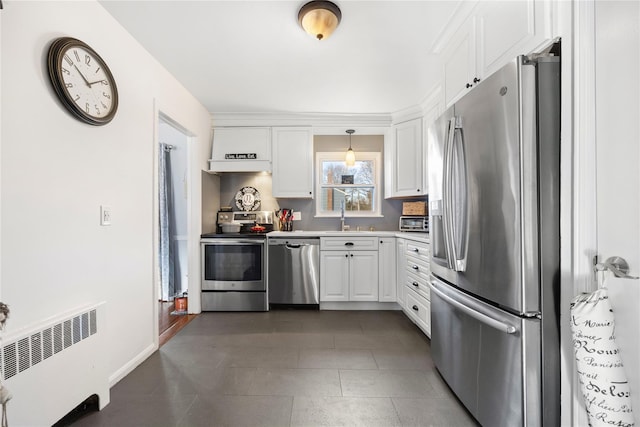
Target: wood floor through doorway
[170,324]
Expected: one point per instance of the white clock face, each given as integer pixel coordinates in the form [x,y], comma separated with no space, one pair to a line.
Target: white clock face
[87,82]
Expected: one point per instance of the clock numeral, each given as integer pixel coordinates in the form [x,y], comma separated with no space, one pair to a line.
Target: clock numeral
[103,105]
[69,61]
[104,82]
[86,107]
[68,85]
[64,70]
[75,52]
[97,109]
[97,70]
[87,60]
[106,95]
[76,98]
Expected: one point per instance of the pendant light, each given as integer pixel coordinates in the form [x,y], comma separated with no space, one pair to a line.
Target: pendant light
[319,18]
[350,158]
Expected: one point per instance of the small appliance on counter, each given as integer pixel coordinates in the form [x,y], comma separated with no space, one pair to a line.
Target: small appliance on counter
[414,223]
[414,217]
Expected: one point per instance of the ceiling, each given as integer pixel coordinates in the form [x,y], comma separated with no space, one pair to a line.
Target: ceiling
[253,57]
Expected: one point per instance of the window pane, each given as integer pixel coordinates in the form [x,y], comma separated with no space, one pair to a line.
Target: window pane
[357,199]
[334,171]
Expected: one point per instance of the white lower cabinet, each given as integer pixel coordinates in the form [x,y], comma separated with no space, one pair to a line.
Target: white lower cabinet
[419,311]
[416,273]
[401,272]
[334,276]
[387,277]
[351,274]
[363,276]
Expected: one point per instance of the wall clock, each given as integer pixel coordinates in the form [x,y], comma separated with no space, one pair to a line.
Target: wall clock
[82,81]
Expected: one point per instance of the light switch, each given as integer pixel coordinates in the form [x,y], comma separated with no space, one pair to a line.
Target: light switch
[105,215]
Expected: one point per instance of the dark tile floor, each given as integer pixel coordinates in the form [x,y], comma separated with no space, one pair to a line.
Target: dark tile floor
[287,368]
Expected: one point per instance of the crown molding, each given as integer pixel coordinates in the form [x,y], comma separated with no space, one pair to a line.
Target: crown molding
[322,123]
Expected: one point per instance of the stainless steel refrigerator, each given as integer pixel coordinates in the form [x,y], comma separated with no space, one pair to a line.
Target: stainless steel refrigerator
[494,161]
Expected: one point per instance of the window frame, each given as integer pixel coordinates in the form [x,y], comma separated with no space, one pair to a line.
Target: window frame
[338,156]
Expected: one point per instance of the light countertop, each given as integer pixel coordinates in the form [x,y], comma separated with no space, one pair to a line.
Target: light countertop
[420,237]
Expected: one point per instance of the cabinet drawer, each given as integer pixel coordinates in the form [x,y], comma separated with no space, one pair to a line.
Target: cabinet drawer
[348,243]
[418,268]
[419,284]
[419,250]
[419,310]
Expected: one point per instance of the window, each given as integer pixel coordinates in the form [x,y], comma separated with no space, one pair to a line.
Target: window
[357,187]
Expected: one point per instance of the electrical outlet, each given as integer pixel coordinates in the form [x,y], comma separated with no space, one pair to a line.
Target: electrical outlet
[105,215]
[297,216]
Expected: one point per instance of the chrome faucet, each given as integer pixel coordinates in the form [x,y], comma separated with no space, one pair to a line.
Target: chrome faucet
[342,203]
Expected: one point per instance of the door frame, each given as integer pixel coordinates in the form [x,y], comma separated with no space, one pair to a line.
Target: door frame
[578,220]
[192,273]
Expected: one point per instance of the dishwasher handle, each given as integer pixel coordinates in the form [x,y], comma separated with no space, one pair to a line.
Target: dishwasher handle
[293,246]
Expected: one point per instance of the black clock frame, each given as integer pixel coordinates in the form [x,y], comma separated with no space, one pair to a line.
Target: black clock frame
[54,64]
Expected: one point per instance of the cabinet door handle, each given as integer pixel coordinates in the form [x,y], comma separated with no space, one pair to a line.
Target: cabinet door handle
[415,307]
[415,267]
[349,244]
[416,284]
[469,85]
[346,255]
[418,190]
[351,255]
[476,80]
[416,250]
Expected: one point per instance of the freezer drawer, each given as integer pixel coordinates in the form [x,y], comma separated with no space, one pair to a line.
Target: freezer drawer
[489,358]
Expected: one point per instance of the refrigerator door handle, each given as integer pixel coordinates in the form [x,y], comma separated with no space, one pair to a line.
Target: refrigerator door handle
[459,197]
[496,324]
[447,202]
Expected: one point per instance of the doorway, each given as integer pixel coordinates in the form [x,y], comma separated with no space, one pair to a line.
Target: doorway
[173,199]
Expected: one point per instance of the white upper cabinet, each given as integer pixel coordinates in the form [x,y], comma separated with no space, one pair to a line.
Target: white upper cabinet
[241,149]
[404,160]
[460,63]
[494,34]
[507,29]
[292,171]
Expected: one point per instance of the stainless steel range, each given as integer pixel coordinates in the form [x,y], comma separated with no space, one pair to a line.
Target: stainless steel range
[234,264]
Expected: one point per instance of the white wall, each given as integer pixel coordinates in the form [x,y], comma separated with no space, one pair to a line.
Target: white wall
[57,171]
[617,94]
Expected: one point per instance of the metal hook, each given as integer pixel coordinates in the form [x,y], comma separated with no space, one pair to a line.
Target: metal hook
[617,265]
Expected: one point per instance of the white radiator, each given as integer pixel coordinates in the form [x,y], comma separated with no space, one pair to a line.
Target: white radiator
[54,366]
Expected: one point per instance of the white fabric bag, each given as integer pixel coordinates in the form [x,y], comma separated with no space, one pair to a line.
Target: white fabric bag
[602,378]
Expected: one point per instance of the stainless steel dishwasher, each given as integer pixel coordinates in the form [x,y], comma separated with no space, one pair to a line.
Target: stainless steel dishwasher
[294,272]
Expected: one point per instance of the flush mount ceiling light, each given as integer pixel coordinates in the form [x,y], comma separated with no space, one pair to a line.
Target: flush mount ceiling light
[350,158]
[319,18]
